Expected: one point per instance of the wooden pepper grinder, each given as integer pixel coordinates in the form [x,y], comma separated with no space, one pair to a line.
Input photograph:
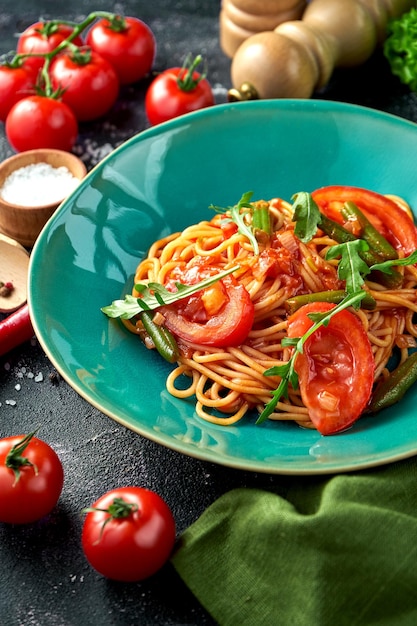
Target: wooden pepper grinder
[240,19]
[299,56]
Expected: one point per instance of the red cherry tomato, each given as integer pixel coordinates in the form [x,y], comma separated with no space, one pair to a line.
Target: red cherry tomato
[41,38]
[15,83]
[386,216]
[89,83]
[41,122]
[127,43]
[220,316]
[31,479]
[335,369]
[177,91]
[128,534]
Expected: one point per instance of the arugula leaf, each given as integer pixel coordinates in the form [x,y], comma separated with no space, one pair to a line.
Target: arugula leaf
[155,295]
[238,217]
[306,215]
[287,370]
[351,267]
[386,266]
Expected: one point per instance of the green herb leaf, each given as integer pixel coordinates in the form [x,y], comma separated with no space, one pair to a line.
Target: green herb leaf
[306,215]
[400,48]
[351,267]
[386,266]
[237,215]
[287,370]
[155,295]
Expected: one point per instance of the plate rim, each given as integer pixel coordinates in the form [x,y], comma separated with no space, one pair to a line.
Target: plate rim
[202,454]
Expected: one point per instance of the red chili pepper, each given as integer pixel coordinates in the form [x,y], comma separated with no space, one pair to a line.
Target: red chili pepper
[15,329]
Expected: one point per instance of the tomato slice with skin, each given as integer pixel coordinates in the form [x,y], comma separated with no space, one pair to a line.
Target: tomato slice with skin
[228,327]
[386,216]
[336,368]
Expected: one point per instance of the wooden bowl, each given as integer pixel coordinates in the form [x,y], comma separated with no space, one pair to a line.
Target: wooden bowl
[24,223]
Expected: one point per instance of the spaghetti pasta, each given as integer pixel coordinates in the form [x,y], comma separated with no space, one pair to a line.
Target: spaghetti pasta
[229,381]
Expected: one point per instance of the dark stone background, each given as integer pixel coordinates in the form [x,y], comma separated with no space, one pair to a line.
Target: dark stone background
[44,578]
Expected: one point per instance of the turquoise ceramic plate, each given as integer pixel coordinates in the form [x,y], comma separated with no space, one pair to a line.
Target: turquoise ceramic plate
[164,179]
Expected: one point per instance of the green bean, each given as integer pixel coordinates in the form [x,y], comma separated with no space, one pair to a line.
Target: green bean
[162,338]
[261,224]
[369,233]
[335,230]
[334,297]
[395,386]
[261,218]
[341,235]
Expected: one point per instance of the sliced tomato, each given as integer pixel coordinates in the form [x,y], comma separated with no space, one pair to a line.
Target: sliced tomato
[385,214]
[192,320]
[336,368]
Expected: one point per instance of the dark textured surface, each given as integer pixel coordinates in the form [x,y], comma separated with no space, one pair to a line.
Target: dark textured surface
[44,578]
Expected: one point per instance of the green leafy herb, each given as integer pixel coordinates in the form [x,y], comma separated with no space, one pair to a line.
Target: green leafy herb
[237,215]
[155,295]
[306,215]
[351,267]
[386,266]
[400,48]
[287,370]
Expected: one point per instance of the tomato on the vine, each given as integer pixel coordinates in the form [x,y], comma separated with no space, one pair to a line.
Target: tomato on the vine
[41,122]
[88,82]
[335,369]
[15,83]
[127,43]
[43,37]
[31,479]
[128,534]
[176,91]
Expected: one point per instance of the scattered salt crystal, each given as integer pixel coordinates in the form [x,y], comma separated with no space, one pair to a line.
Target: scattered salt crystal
[38,184]
[93,152]
[11,402]
[31,375]
[18,387]
[39,377]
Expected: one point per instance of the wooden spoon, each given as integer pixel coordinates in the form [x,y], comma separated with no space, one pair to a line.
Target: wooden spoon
[14,263]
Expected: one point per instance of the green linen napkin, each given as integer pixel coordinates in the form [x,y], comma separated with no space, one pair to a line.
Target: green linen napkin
[320,551]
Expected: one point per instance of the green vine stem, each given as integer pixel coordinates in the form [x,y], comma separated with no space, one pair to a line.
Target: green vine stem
[44,85]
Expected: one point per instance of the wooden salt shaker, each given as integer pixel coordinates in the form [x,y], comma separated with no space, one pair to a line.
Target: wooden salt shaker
[299,56]
[240,19]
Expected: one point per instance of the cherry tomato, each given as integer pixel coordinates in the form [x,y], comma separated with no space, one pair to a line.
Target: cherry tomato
[335,369]
[15,83]
[89,83]
[31,479]
[386,216]
[127,43]
[128,534]
[41,122]
[41,38]
[177,91]
[219,316]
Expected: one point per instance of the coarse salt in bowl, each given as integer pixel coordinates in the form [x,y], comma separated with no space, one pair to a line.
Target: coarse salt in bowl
[38,184]
[32,185]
